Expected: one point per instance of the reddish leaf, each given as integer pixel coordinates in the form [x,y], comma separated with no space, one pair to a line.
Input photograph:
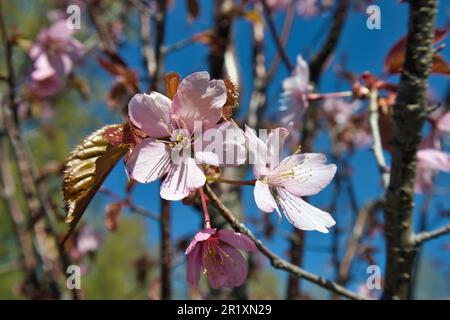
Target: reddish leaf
[119,135]
[86,169]
[440,66]
[396,56]
[117,95]
[172,81]
[112,215]
[114,69]
[193,9]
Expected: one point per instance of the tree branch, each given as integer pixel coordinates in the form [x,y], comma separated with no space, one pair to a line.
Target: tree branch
[409,114]
[290,13]
[330,43]
[279,44]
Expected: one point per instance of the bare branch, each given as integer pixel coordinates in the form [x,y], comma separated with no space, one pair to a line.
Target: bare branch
[258,98]
[290,13]
[425,236]
[147,51]
[320,59]
[279,44]
[355,239]
[377,148]
[165,251]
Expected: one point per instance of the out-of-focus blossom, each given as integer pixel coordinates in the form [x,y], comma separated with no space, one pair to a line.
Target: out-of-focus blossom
[216,254]
[430,161]
[308,8]
[45,82]
[278,4]
[304,8]
[87,241]
[364,291]
[294,99]
[430,157]
[440,126]
[53,54]
[197,99]
[340,111]
[350,126]
[283,184]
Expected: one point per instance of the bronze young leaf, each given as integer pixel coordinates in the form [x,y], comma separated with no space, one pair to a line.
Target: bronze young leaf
[86,169]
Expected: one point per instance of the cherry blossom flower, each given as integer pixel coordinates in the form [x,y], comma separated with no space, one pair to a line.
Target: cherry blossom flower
[308,8]
[430,161]
[283,184]
[294,99]
[53,56]
[216,254]
[350,126]
[430,157]
[340,111]
[304,8]
[278,4]
[440,126]
[88,241]
[169,126]
[44,80]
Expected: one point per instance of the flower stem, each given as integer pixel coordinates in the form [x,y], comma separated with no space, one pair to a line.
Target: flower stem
[235,182]
[205,209]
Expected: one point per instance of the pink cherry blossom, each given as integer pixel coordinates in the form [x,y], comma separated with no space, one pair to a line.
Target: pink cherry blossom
[295,94]
[44,80]
[216,254]
[308,8]
[53,56]
[443,123]
[278,4]
[350,126]
[440,126]
[283,184]
[430,161]
[87,241]
[304,8]
[170,128]
[339,110]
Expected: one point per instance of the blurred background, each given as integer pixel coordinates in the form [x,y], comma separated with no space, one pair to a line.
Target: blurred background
[118,241]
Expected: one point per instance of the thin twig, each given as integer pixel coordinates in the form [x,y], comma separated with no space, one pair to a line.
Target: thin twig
[354,240]
[148,53]
[425,236]
[321,58]
[287,26]
[130,205]
[279,44]
[377,147]
[257,103]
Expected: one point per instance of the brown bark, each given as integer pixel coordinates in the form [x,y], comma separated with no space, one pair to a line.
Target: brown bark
[409,113]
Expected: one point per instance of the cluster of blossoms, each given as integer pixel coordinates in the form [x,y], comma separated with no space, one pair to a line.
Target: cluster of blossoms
[348,122]
[179,138]
[53,55]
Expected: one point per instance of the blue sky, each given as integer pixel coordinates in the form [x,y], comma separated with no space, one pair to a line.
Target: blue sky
[365,50]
